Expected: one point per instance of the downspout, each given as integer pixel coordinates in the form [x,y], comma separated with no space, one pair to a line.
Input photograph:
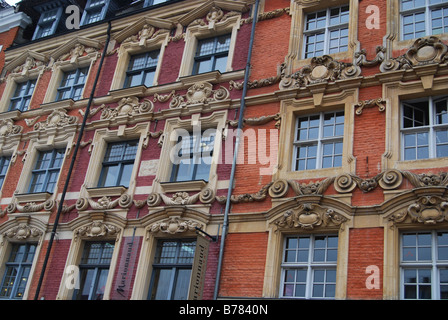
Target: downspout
[235,154]
[72,164]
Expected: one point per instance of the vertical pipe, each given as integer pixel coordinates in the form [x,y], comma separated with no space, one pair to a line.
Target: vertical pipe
[72,164]
[235,155]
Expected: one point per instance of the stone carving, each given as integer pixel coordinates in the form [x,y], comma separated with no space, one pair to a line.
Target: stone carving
[424,51]
[129,106]
[388,180]
[309,216]
[22,232]
[30,63]
[428,210]
[97,229]
[426,180]
[147,32]
[247,197]
[214,16]
[174,225]
[361,59]
[258,121]
[8,128]
[206,196]
[380,103]
[57,119]
[201,92]
[322,69]
[104,203]
[78,51]
[30,207]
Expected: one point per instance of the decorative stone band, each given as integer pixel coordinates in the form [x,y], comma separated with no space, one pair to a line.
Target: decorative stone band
[22,232]
[97,229]
[206,196]
[174,225]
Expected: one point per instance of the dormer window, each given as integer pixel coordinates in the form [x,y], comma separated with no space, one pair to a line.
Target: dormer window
[97,10]
[48,22]
[149,3]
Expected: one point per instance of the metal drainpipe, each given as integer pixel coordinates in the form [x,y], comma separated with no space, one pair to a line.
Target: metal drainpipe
[75,153]
[235,155]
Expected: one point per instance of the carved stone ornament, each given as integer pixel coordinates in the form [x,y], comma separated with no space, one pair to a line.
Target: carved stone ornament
[97,229]
[30,207]
[309,216]
[428,210]
[78,51]
[104,203]
[322,69]
[201,92]
[22,232]
[214,16]
[380,103]
[247,197]
[30,64]
[424,51]
[147,32]
[206,196]
[174,225]
[127,107]
[361,59]
[57,119]
[8,128]
[258,121]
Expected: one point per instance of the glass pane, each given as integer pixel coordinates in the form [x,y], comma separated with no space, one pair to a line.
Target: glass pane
[99,293]
[87,281]
[161,286]
[126,175]
[109,176]
[182,284]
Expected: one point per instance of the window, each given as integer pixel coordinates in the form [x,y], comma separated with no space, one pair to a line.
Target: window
[142,69]
[153,2]
[95,11]
[93,270]
[194,157]
[17,271]
[309,266]
[420,18]
[212,54]
[172,267]
[318,141]
[72,84]
[22,96]
[47,23]
[46,171]
[326,32]
[425,129]
[4,165]
[424,265]
[118,164]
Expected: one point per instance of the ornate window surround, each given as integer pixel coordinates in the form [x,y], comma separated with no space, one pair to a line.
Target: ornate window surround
[93,227]
[76,53]
[56,132]
[178,222]
[398,91]
[97,150]
[392,39]
[420,209]
[292,108]
[309,214]
[28,66]
[215,121]
[21,229]
[138,38]
[214,28]
[299,8]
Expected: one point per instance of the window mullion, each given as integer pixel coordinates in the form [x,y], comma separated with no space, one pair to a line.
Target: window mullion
[319,159]
[327,32]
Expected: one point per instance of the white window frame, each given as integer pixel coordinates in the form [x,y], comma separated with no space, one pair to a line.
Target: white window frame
[309,265]
[427,11]
[431,128]
[327,29]
[320,141]
[434,264]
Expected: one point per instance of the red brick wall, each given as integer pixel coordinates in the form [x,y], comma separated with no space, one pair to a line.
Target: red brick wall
[366,247]
[6,39]
[243,265]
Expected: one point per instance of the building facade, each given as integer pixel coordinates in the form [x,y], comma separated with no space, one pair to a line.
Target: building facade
[225,149]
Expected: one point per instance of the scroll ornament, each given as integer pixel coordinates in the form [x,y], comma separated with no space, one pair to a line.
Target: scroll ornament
[97,229]
[309,216]
[206,196]
[22,232]
[428,210]
[129,106]
[104,203]
[174,225]
[57,119]
[201,92]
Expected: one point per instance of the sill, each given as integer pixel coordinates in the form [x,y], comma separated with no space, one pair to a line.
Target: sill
[13,114]
[33,197]
[194,185]
[106,191]
[211,77]
[66,103]
[127,92]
